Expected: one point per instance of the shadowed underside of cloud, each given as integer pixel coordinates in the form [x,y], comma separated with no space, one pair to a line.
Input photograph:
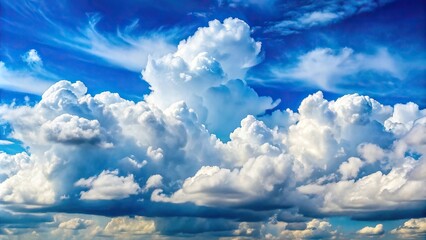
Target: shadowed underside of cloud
[200,146]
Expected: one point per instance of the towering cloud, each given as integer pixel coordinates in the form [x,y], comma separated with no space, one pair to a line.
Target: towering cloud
[205,72]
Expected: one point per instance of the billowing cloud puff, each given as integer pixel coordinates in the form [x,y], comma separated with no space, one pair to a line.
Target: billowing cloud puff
[350,168]
[75,224]
[403,118]
[327,146]
[412,228]
[32,58]
[377,230]
[222,41]
[315,229]
[244,229]
[129,226]
[319,154]
[199,72]
[26,181]
[107,186]
[155,181]
[67,128]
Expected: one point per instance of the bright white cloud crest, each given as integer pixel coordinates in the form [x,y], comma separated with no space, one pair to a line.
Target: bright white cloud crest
[352,155]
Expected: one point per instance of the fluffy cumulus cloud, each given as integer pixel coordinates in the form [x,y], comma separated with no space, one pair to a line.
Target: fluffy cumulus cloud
[315,229]
[133,226]
[108,185]
[377,230]
[205,72]
[32,58]
[413,228]
[200,146]
[75,224]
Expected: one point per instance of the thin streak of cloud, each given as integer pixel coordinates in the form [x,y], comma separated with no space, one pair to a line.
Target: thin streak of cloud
[327,68]
[300,16]
[23,80]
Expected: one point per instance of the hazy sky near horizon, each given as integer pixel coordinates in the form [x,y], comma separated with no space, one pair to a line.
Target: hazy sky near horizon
[227,119]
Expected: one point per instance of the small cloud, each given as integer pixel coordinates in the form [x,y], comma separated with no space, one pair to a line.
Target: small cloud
[154,181]
[198,14]
[76,224]
[32,58]
[318,18]
[6,142]
[377,230]
[315,229]
[123,226]
[135,163]
[107,186]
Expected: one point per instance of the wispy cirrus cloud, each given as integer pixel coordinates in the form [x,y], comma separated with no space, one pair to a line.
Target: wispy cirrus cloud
[124,48]
[329,69]
[301,15]
[32,78]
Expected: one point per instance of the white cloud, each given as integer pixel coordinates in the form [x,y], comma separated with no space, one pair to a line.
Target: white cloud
[244,229]
[108,185]
[318,18]
[350,168]
[263,4]
[253,174]
[75,224]
[327,139]
[5,142]
[123,226]
[400,188]
[403,118]
[314,229]
[123,48]
[10,164]
[199,72]
[310,149]
[29,185]
[326,68]
[377,230]
[68,128]
[229,43]
[22,80]
[412,228]
[32,58]
[154,181]
[302,16]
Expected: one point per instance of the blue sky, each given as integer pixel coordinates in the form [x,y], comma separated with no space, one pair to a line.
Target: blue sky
[212,119]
